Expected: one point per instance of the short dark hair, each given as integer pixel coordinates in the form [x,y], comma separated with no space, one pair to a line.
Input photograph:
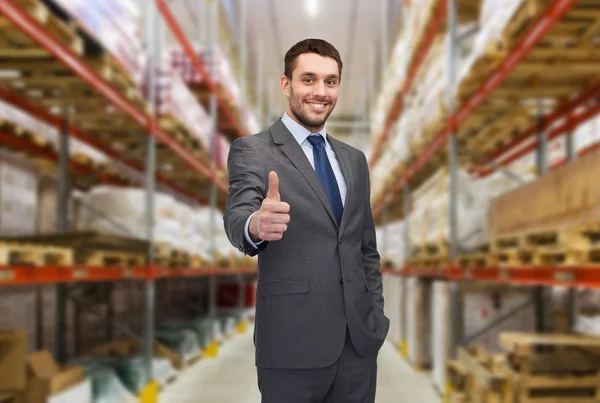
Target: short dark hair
[318,46]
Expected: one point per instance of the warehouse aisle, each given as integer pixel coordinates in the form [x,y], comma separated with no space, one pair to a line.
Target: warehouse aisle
[231,378]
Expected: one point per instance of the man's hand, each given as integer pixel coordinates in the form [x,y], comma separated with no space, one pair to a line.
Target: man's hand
[270,222]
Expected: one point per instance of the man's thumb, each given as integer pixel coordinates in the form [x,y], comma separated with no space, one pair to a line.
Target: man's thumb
[273,192]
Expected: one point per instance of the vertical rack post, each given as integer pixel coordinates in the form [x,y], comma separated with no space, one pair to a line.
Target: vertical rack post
[152,42]
[542,311]
[455,298]
[62,225]
[212,288]
[572,307]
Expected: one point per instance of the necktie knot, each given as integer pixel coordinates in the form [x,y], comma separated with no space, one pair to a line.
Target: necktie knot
[316,140]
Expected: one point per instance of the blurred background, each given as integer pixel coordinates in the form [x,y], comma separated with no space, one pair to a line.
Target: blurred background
[479,119]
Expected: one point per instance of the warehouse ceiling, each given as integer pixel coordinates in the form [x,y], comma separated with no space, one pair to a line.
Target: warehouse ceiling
[352,26]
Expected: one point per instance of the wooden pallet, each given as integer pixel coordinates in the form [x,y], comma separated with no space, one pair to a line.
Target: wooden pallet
[474,261]
[12,253]
[23,46]
[556,368]
[108,258]
[548,247]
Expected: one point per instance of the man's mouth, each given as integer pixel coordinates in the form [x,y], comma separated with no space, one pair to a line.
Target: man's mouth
[317,105]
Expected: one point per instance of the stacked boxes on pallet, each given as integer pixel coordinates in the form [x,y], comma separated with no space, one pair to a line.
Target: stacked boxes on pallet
[116,25]
[180,63]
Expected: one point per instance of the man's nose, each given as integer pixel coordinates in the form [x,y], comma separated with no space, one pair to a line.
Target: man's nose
[319,89]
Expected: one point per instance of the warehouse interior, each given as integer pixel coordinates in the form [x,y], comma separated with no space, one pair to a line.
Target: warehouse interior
[479,122]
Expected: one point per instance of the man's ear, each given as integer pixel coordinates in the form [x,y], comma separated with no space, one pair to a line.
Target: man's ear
[285,85]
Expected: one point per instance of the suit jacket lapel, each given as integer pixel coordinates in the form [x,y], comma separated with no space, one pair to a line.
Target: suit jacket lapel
[293,151]
[342,156]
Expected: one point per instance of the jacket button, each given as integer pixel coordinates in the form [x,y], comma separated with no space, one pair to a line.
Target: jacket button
[341,281]
[341,241]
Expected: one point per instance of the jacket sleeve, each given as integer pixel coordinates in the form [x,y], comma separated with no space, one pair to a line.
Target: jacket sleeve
[247,178]
[370,256]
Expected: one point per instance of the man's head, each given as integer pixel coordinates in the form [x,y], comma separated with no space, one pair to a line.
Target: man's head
[311,81]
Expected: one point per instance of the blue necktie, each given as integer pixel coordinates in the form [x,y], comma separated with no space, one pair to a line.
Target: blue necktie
[326,175]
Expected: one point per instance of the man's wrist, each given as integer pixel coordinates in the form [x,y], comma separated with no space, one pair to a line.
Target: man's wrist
[253,236]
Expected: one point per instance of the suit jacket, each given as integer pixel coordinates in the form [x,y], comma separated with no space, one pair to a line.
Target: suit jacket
[320,278]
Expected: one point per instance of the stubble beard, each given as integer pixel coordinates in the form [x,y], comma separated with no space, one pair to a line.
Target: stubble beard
[312,125]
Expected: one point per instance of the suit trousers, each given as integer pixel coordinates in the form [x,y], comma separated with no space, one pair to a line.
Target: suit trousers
[351,379]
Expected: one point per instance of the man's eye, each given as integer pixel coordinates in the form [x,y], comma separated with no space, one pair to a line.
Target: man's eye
[330,82]
[308,80]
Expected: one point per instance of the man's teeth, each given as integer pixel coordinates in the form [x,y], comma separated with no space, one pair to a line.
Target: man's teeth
[318,105]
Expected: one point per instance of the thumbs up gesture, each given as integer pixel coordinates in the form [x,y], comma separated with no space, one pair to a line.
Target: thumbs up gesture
[270,222]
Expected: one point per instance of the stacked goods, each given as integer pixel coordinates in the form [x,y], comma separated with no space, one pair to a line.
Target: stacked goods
[429,220]
[175,224]
[116,25]
[24,124]
[481,307]
[500,22]
[180,63]
[557,219]
[395,76]
[225,253]
[37,378]
[392,248]
[18,196]
[175,100]
[536,368]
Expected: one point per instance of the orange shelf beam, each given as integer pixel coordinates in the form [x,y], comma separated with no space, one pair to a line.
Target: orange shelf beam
[24,275]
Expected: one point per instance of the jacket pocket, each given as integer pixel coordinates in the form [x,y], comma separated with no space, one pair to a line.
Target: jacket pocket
[283,287]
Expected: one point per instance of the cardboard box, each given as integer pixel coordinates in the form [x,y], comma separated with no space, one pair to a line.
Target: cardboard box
[13,353]
[11,397]
[46,379]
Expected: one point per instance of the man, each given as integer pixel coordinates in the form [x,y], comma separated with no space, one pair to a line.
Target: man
[300,199]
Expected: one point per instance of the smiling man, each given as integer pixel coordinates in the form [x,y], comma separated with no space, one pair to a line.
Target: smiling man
[300,199]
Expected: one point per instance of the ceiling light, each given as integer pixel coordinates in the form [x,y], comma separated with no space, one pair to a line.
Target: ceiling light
[312,7]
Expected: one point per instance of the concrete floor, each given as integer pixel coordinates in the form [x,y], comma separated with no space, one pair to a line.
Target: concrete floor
[231,378]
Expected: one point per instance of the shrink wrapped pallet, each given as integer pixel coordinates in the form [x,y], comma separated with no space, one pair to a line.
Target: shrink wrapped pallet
[174,99]
[116,25]
[392,249]
[125,206]
[18,196]
[430,215]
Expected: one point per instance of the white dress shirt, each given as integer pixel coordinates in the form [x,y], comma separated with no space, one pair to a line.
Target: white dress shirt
[301,134]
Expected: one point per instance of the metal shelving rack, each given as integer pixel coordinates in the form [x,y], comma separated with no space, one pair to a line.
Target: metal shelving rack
[577,110]
[13,276]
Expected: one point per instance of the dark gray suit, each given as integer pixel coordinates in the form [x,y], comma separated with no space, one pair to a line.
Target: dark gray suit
[321,282]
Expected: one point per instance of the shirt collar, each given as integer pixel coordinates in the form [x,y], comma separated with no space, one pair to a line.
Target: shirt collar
[299,132]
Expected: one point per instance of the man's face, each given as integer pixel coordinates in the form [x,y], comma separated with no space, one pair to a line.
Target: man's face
[313,90]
